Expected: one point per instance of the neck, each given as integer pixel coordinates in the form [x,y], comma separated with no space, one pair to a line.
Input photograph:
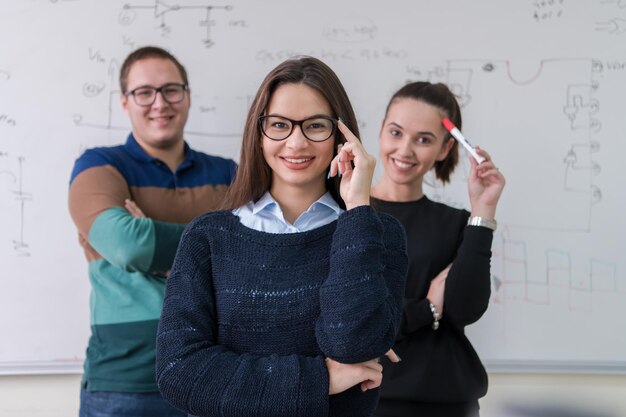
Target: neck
[387,190]
[172,156]
[294,201]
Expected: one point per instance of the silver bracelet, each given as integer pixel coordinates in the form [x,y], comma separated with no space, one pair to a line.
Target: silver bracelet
[481,221]
[436,316]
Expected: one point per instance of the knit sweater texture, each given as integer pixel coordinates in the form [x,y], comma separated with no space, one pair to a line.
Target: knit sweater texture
[440,369]
[249,317]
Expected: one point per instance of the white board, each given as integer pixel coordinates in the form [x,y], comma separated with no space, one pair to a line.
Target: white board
[541,82]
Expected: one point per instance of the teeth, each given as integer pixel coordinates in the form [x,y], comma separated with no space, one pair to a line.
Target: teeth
[403,165]
[297,161]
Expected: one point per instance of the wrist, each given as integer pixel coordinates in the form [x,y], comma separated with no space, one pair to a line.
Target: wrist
[480,221]
[488,212]
[354,204]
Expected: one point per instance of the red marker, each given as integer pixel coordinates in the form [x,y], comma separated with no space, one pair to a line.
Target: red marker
[454,131]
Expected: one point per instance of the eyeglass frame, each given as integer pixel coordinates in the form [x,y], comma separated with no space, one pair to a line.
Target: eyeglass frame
[295,123]
[158,90]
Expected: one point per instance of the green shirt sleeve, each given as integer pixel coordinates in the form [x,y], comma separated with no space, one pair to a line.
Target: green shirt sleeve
[135,244]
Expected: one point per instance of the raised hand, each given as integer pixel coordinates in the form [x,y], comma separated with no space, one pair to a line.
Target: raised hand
[356,181]
[485,186]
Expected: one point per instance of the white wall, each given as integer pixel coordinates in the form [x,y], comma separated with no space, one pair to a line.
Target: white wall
[57,395]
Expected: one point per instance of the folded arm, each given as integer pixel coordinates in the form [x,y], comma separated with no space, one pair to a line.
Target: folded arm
[198,375]
[96,202]
[361,300]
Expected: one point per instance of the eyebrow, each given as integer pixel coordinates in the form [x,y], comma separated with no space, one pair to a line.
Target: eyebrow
[421,132]
[306,118]
[151,86]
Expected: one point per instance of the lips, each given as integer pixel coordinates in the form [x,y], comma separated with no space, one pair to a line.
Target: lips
[161,119]
[402,164]
[297,162]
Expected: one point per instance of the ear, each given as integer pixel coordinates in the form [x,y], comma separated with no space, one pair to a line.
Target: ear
[445,149]
[124,101]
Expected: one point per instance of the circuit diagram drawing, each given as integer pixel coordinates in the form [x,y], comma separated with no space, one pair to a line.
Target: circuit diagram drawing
[108,94]
[615,23]
[11,179]
[531,263]
[161,10]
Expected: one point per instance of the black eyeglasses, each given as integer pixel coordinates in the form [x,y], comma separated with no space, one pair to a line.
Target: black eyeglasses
[146,96]
[316,128]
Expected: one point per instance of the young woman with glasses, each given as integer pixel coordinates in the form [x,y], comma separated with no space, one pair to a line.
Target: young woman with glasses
[282,304]
[448,284]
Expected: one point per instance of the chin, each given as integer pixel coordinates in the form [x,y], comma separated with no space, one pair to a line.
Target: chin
[405,179]
[166,143]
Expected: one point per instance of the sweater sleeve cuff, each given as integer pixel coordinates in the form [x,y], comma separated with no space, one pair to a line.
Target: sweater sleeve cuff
[362,219]
[316,401]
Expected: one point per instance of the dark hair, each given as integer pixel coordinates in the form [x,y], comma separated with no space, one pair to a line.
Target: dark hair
[440,96]
[145,53]
[254,175]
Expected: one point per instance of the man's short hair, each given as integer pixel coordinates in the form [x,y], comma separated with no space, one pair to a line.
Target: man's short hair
[145,53]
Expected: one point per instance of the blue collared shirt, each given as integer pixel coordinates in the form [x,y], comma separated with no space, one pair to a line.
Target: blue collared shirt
[266,215]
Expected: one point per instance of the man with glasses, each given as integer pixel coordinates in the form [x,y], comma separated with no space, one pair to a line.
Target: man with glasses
[129,256]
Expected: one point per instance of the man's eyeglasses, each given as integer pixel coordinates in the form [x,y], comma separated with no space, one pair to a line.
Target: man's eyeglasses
[316,129]
[146,96]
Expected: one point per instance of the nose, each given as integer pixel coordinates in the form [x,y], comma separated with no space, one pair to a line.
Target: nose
[404,147]
[159,100]
[297,138]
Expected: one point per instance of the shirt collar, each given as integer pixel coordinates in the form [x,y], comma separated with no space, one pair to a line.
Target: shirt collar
[267,202]
[133,147]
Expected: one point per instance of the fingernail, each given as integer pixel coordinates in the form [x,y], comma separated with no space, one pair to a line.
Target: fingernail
[339,119]
[329,176]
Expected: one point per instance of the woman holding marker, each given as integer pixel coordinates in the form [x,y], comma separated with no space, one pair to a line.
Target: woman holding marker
[282,304]
[448,285]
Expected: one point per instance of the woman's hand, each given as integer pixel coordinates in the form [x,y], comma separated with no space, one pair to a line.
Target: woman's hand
[355,182]
[437,289]
[392,356]
[485,186]
[342,376]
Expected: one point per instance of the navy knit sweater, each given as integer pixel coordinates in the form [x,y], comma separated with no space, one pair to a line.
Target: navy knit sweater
[249,316]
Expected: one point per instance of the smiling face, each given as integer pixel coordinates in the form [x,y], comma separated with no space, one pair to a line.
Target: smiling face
[160,126]
[411,141]
[297,163]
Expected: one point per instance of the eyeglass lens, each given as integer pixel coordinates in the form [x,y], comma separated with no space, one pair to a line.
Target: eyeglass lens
[317,129]
[146,96]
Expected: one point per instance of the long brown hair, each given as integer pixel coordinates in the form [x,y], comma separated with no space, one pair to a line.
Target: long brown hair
[254,176]
[440,96]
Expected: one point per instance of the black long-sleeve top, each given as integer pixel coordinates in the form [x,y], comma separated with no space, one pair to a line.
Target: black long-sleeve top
[438,366]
